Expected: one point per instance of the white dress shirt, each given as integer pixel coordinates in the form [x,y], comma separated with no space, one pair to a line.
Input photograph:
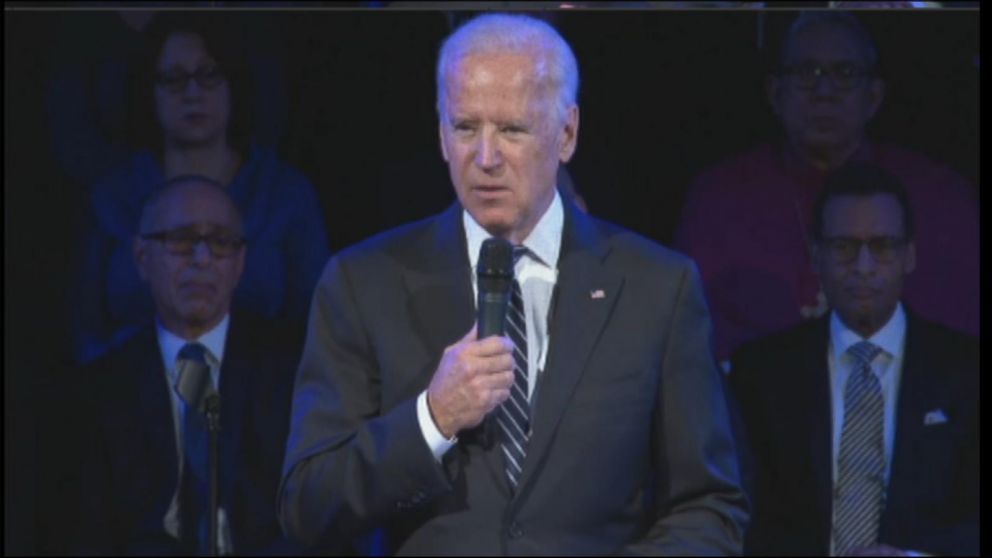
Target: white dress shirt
[887,367]
[537,273]
[170,344]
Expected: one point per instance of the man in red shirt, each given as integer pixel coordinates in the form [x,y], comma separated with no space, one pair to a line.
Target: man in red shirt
[747,220]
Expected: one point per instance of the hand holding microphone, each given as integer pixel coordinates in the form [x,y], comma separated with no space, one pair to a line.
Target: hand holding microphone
[476,373]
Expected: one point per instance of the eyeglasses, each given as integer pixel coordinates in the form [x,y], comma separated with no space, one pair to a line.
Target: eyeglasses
[845,249]
[182,242]
[843,75]
[176,80]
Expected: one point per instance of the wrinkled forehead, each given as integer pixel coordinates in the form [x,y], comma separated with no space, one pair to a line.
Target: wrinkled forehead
[193,204]
[505,82]
[503,68]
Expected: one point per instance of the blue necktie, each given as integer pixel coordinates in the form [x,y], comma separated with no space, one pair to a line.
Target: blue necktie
[860,490]
[514,414]
[194,501]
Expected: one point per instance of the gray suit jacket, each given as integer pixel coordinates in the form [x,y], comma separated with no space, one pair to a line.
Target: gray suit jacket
[631,448]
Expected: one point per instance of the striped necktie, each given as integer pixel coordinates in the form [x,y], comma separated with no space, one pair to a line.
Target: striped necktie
[860,489]
[194,502]
[514,413]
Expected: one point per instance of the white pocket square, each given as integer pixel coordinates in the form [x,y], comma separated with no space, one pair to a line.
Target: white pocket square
[935,416]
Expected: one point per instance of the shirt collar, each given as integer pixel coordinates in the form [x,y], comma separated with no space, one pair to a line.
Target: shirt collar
[890,337]
[797,165]
[213,340]
[544,242]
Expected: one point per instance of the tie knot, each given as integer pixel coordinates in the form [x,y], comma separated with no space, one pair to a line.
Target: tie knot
[193,351]
[864,352]
[518,252]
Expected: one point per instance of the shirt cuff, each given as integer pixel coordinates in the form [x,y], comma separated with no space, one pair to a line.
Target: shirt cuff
[438,444]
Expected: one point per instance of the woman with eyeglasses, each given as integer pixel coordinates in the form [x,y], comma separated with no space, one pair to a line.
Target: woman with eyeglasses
[193,94]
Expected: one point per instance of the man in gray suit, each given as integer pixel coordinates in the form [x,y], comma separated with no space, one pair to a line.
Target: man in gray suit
[597,425]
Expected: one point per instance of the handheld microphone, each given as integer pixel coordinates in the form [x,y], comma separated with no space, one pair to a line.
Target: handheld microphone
[495,279]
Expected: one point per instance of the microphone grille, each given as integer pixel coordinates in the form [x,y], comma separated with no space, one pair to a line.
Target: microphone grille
[496,258]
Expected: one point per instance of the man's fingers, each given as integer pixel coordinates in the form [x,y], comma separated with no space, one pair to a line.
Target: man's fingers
[491,346]
[496,364]
[488,366]
[497,380]
[499,396]
[503,379]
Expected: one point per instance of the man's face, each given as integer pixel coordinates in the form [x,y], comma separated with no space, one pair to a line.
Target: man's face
[826,113]
[193,291]
[191,111]
[862,282]
[503,141]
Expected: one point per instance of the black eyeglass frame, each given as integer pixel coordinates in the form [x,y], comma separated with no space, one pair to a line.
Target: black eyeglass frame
[844,76]
[180,243]
[176,81]
[845,249]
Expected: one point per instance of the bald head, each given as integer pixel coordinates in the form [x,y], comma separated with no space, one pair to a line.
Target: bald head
[177,192]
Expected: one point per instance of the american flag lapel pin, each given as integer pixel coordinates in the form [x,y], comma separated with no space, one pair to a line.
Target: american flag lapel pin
[934,417]
[596,294]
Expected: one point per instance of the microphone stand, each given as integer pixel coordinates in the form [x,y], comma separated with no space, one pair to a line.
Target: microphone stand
[213,426]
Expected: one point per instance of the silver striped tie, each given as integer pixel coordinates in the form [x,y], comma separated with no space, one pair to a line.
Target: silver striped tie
[514,414]
[860,487]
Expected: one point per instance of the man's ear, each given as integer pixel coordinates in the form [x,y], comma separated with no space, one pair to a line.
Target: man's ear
[876,94]
[569,134]
[815,257]
[910,257]
[241,262]
[139,251]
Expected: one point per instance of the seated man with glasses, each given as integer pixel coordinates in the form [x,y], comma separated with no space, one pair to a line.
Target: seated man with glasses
[862,426]
[747,220]
[144,485]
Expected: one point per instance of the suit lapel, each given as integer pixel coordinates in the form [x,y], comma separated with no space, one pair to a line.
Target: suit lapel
[587,293]
[235,388]
[438,280]
[916,389]
[156,402]
[818,397]
[138,405]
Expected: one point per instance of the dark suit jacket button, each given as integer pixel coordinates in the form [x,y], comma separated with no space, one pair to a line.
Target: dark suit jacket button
[515,531]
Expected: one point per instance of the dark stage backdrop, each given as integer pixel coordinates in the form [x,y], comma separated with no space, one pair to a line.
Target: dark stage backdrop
[662,95]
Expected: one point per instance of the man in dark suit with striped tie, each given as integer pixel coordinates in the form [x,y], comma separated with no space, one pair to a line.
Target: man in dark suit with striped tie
[597,425]
[144,476]
[863,425]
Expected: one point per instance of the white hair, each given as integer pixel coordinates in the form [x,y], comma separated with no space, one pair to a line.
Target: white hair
[514,33]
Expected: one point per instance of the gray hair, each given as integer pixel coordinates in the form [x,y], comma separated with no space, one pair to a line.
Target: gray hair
[149,209]
[832,18]
[514,33]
